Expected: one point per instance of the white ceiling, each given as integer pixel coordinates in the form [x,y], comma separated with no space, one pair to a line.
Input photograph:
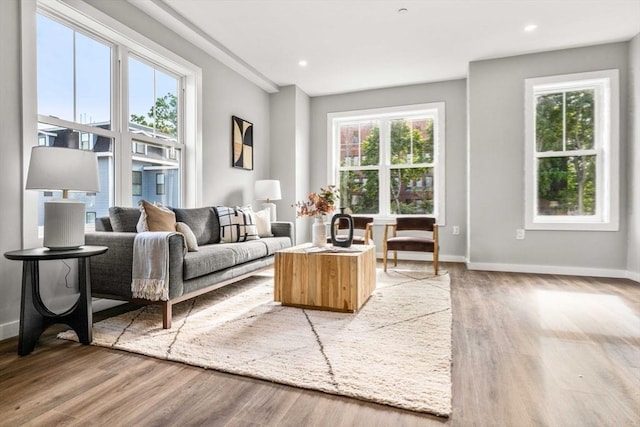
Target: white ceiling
[354,45]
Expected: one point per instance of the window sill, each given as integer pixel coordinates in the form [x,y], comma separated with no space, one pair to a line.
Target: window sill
[573,226]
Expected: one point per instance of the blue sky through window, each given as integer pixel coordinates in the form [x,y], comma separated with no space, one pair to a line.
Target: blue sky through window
[74,73]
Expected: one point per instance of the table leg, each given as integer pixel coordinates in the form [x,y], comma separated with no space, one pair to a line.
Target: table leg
[83,316]
[35,317]
[32,323]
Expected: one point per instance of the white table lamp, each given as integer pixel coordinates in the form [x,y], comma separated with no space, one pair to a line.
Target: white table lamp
[66,169]
[268,190]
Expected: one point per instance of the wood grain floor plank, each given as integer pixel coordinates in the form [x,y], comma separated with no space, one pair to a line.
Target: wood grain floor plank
[528,350]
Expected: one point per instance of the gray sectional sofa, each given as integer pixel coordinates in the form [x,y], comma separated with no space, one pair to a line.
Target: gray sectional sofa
[214,265]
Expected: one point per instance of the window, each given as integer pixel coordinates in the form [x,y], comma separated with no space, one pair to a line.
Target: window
[571,127]
[74,102]
[83,69]
[136,181]
[159,183]
[390,161]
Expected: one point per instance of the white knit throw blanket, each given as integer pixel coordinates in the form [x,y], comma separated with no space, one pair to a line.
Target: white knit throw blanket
[150,274]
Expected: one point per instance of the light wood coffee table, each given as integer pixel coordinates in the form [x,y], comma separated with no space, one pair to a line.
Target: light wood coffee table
[338,281]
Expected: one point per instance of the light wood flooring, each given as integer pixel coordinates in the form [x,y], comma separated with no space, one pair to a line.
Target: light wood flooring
[528,350]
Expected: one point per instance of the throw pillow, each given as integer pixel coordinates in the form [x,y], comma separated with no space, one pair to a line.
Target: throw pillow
[189,238]
[155,218]
[237,224]
[263,221]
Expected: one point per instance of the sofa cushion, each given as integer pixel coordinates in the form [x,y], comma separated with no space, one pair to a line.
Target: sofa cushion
[216,257]
[202,221]
[274,244]
[237,224]
[155,218]
[124,219]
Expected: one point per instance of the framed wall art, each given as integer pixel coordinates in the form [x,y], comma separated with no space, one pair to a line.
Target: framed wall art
[242,143]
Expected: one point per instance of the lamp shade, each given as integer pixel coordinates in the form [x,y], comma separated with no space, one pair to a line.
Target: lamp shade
[268,189]
[66,169]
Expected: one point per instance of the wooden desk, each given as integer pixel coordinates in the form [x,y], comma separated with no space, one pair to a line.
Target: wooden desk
[35,317]
[336,281]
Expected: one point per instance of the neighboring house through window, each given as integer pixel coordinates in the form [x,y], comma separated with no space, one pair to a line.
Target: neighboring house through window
[390,161]
[571,133]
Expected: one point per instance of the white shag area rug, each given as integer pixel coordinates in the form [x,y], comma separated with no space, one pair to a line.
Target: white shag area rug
[396,350]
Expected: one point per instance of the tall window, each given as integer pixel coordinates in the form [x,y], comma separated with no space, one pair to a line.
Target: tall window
[390,161]
[74,102]
[80,107]
[572,151]
[153,119]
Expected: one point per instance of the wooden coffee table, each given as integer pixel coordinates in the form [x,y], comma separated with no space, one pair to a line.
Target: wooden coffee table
[340,280]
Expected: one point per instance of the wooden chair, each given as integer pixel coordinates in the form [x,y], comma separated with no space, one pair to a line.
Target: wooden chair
[359,223]
[426,241]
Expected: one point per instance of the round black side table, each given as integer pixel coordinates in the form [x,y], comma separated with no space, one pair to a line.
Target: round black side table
[35,317]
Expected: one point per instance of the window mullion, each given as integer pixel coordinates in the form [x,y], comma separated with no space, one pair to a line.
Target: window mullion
[50,120]
[564,121]
[384,173]
[123,181]
[75,81]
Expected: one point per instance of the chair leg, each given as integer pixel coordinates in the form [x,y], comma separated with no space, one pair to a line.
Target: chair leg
[384,258]
[435,263]
[395,258]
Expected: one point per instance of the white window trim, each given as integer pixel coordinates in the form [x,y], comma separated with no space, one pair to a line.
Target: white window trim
[190,119]
[403,111]
[607,145]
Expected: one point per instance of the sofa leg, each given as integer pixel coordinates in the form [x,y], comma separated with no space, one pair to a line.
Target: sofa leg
[166,315]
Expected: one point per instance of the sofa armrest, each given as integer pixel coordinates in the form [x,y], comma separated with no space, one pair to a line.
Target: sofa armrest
[282,229]
[111,272]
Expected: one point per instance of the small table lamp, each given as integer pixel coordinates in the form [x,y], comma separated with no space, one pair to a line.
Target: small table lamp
[66,169]
[268,190]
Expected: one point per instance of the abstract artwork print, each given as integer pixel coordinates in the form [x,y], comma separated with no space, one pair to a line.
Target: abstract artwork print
[242,141]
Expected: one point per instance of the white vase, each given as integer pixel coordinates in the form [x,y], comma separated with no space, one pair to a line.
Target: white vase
[319,232]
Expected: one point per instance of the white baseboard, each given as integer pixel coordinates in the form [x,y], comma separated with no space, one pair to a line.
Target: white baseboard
[632,275]
[99,304]
[8,330]
[11,329]
[549,269]
[417,256]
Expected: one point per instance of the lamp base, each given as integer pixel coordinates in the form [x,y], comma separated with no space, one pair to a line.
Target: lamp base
[63,224]
[272,210]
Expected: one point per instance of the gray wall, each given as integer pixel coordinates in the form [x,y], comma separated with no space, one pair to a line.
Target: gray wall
[283,137]
[452,93]
[290,152]
[10,165]
[496,147]
[633,251]
[303,161]
[225,93]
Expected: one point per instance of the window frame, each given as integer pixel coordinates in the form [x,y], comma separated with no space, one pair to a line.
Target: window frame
[96,24]
[385,115]
[606,149]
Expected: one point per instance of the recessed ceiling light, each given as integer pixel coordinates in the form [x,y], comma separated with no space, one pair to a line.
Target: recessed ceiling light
[403,10]
[530,27]
[302,63]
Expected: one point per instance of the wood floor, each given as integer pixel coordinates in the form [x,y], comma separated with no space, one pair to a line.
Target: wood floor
[528,350]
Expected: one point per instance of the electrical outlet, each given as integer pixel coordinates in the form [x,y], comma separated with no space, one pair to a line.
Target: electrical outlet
[520,234]
[456,230]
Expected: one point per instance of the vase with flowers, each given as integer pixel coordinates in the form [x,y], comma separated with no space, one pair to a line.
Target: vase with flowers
[317,205]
